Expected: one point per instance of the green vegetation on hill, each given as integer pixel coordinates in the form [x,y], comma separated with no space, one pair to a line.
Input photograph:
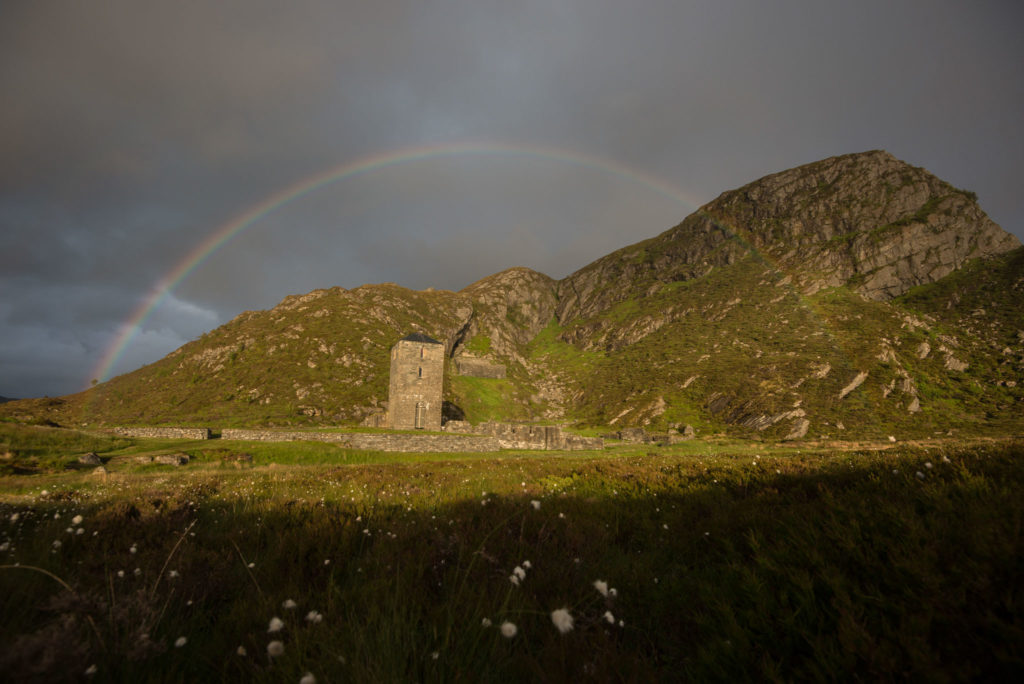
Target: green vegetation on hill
[756,316]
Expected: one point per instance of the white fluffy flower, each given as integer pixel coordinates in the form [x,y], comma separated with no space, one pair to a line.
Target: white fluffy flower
[527,564]
[289,604]
[535,504]
[180,641]
[314,616]
[601,587]
[508,630]
[308,678]
[514,579]
[519,572]
[276,625]
[486,622]
[609,617]
[275,648]
[562,620]
[77,520]
[241,651]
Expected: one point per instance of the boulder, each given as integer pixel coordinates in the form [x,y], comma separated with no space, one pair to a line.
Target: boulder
[799,429]
[90,459]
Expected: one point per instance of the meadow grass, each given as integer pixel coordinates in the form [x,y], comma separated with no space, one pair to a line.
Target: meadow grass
[731,560]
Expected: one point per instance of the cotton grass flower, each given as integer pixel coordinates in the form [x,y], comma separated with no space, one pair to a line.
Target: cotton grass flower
[276,625]
[535,504]
[241,651]
[602,587]
[308,678]
[275,649]
[486,622]
[514,579]
[508,629]
[527,564]
[77,520]
[562,620]
[519,572]
[314,616]
[180,641]
[609,618]
[919,475]
[289,604]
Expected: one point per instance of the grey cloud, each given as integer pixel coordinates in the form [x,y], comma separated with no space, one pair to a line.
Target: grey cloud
[131,131]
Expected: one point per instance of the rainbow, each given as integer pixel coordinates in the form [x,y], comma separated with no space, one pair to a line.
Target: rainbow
[219,236]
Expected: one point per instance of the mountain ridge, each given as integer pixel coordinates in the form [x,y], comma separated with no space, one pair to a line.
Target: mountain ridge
[753,314]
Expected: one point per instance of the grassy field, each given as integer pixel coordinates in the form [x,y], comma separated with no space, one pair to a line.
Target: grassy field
[721,560]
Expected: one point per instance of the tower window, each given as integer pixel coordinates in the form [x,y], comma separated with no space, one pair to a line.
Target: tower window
[420,372]
[423,352]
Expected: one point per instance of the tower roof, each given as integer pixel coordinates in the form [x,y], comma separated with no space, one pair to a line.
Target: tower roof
[419,337]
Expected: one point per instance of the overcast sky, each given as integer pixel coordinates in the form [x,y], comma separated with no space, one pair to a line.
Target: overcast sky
[132,131]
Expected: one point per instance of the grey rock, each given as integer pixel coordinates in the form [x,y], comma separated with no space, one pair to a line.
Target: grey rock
[799,429]
[90,459]
[857,381]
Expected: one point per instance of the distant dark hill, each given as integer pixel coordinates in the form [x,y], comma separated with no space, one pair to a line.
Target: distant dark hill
[4,400]
[855,296]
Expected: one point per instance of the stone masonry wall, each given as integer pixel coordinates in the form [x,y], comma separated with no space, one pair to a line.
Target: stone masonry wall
[527,436]
[164,432]
[373,441]
[417,380]
[477,368]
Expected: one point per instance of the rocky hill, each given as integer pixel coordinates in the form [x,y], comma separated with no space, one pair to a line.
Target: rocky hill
[854,295]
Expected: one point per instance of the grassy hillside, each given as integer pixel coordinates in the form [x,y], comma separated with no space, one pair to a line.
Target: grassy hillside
[771,312]
[739,346]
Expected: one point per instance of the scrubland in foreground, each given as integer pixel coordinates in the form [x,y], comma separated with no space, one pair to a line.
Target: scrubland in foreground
[704,561]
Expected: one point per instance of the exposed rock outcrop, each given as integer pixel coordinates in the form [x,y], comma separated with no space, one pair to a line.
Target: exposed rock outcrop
[868,220]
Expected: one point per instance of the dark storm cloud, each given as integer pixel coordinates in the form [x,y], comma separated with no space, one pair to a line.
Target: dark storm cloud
[130,132]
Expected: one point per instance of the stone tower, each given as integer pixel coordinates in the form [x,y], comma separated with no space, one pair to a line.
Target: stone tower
[417,383]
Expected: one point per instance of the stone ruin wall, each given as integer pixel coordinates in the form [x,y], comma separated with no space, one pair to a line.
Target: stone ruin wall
[372,441]
[473,367]
[527,436]
[163,432]
[462,437]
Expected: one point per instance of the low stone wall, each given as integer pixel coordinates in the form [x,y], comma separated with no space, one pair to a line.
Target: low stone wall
[478,368]
[372,441]
[163,432]
[527,436]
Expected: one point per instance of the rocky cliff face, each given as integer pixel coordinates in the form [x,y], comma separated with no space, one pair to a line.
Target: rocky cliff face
[865,220]
[508,309]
